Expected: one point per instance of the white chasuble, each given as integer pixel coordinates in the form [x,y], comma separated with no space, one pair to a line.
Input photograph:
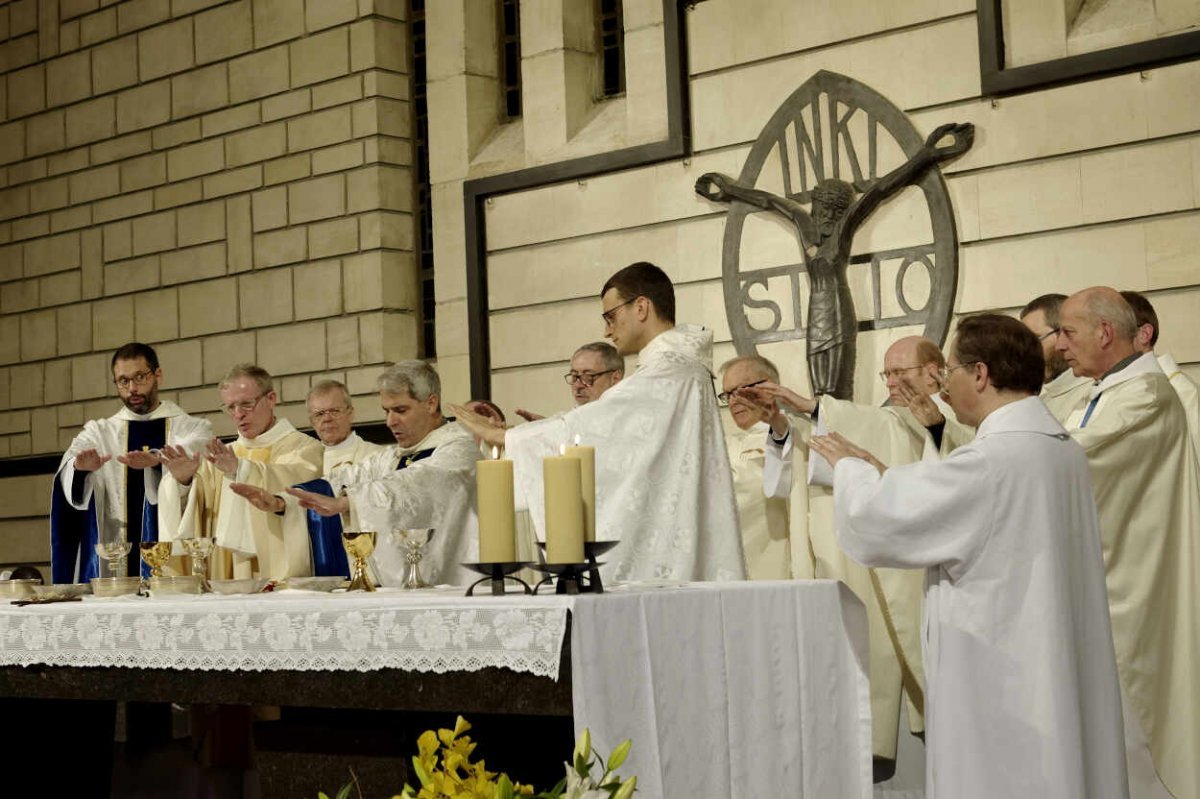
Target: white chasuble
[1188,393]
[110,437]
[280,457]
[435,488]
[352,450]
[1063,393]
[762,516]
[892,597]
[1147,486]
[663,485]
[1023,698]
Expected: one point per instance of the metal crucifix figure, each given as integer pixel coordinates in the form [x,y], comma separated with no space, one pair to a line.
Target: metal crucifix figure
[826,233]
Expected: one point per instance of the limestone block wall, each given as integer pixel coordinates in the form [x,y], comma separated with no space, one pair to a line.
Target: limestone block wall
[1092,183]
[229,180]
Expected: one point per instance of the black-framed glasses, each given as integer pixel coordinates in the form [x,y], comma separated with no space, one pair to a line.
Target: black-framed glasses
[139,379]
[611,313]
[245,406]
[1048,334]
[587,379]
[725,396]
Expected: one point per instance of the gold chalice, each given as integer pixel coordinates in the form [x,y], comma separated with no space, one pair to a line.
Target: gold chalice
[198,550]
[359,545]
[156,554]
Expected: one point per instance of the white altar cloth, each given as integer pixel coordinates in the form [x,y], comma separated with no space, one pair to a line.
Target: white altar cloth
[738,689]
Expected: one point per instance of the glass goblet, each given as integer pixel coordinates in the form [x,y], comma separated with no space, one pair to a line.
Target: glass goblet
[114,553]
[413,542]
[198,550]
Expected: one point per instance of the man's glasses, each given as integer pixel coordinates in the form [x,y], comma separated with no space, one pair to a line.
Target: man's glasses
[611,313]
[245,406]
[945,371]
[586,379]
[139,379]
[725,396]
[328,413]
[1048,334]
[897,373]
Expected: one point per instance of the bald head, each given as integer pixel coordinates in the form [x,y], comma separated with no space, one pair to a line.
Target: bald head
[915,360]
[1098,330]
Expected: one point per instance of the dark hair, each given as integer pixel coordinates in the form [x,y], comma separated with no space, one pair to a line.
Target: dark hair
[1011,351]
[644,279]
[1143,311]
[1048,304]
[132,351]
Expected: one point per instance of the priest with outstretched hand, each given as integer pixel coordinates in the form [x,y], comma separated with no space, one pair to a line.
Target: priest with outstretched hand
[427,480]
[109,476]
[196,498]
[1023,697]
[663,486]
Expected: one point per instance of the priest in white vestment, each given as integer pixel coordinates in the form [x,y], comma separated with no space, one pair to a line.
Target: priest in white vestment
[426,481]
[1023,697]
[331,411]
[762,506]
[1147,338]
[663,486]
[914,425]
[1062,388]
[113,466]
[195,498]
[1147,487]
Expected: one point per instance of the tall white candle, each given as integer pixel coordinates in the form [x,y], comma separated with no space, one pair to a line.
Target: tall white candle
[497,517]
[587,487]
[564,510]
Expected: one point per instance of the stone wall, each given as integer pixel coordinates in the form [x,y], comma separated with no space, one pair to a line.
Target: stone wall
[1092,183]
[228,180]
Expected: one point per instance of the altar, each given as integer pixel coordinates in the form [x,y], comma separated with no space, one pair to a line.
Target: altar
[731,689]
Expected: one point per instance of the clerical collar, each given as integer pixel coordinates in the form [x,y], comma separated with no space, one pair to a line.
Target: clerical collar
[1119,365]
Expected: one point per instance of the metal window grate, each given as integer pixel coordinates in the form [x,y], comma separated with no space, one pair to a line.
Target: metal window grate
[610,25]
[509,30]
[424,243]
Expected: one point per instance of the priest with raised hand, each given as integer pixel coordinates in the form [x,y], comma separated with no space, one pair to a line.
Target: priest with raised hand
[1023,697]
[663,486]
[1147,483]
[196,498]
[110,474]
[914,424]
[427,480]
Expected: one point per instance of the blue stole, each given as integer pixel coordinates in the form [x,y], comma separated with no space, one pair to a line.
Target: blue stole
[325,532]
[74,533]
[325,535]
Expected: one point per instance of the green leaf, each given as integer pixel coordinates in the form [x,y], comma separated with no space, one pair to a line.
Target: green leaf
[619,754]
[321,795]
[344,793]
[627,789]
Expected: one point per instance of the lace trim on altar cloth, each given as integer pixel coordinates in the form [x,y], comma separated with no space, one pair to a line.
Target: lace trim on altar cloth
[259,635]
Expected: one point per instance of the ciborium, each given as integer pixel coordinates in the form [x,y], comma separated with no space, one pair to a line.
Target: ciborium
[198,549]
[359,546]
[155,554]
[412,543]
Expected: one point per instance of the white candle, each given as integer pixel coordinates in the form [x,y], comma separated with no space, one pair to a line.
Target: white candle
[587,487]
[497,518]
[564,510]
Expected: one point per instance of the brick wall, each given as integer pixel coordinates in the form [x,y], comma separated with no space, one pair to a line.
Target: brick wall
[227,180]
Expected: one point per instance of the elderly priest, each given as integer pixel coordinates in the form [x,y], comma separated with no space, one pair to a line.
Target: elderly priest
[196,499]
[1023,697]
[1135,434]
[109,476]
[426,481]
[663,487]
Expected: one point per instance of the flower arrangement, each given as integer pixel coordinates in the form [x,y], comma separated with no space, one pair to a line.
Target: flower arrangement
[445,770]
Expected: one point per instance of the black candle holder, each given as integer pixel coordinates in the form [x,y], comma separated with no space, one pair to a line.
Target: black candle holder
[588,579]
[497,574]
[568,578]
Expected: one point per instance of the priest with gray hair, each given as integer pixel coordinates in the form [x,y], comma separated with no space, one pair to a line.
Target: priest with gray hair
[427,480]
